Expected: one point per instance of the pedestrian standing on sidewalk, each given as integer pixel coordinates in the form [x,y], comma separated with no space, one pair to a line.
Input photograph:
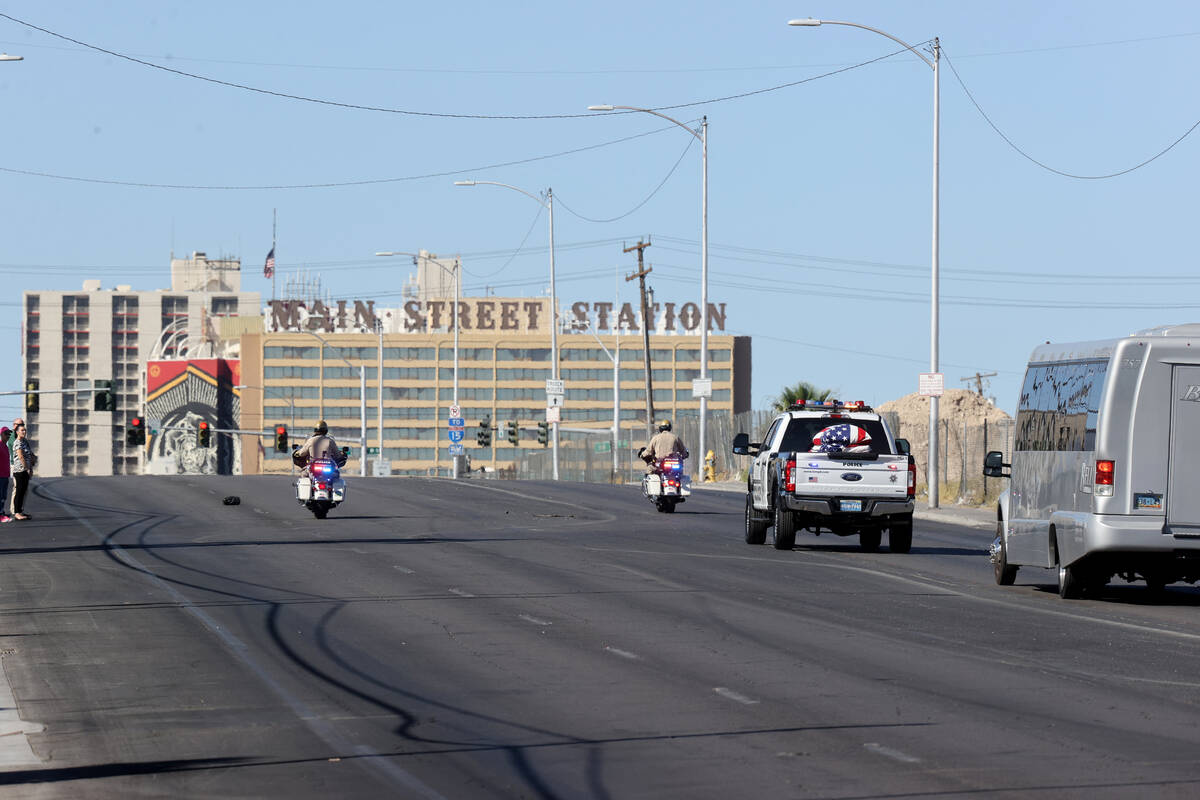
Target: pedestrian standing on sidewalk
[23,461]
[5,473]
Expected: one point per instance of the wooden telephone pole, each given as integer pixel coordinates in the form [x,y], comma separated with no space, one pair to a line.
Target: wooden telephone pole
[978,378]
[641,278]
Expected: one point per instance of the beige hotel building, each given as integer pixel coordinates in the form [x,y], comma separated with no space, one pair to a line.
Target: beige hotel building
[504,360]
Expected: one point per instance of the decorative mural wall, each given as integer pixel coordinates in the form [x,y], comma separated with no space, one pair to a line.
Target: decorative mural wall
[179,395]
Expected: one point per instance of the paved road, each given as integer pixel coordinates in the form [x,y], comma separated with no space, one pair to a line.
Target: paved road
[507,639]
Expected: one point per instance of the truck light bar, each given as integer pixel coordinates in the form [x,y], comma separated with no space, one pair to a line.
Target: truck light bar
[838,405]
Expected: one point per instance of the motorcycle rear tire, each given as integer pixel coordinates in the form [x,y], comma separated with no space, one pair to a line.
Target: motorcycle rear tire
[320,510]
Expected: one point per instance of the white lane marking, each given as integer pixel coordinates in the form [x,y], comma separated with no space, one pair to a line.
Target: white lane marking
[461,593]
[534,620]
[623,653]
[945,590]
[891,752]
[730,694]
[405,570]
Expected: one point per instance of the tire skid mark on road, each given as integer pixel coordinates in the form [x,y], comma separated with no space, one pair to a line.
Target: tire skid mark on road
[942,589]
[737,697]
[890,752]
[322,728]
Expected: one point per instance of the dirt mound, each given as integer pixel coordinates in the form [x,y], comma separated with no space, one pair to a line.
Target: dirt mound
[958,406]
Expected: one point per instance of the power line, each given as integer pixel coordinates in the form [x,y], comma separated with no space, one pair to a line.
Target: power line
[647,199]
[1047,167]
[411,112]
[339,184]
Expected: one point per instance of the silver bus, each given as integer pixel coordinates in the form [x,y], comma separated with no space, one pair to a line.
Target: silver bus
[1105,472]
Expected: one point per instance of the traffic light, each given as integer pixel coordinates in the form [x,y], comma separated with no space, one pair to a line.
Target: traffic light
[484,437]
[203,435]
[104,399]
[281,442]
[543,433]
[136,434]
[31,396]
[514,432]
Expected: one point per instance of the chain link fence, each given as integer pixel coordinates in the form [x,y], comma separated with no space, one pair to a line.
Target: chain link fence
[588,457]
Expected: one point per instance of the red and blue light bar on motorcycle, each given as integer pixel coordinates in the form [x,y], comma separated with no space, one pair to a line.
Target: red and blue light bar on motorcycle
[672,464]
[323,468]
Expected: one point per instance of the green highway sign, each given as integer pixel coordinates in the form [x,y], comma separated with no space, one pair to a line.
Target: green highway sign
[372,451]
[602,447]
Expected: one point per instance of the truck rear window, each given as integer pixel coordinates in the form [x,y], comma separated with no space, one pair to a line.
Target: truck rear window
[800,432]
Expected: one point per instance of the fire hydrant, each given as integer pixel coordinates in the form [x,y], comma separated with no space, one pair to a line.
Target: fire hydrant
[709,471]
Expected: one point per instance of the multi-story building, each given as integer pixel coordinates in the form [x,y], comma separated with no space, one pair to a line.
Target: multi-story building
[75,339]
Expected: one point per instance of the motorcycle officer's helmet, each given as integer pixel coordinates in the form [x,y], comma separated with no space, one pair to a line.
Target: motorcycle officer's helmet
[321,428]
[664,425]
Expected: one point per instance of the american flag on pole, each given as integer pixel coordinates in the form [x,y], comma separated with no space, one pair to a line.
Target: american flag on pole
[839,438]
[269,266]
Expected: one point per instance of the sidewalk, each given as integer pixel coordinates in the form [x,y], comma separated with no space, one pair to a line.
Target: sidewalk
[981,518]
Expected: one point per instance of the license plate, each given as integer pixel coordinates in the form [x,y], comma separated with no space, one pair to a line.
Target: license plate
[851,505]
[1147,501]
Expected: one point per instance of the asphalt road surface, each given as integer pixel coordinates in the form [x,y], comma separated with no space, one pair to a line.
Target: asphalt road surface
[433,639]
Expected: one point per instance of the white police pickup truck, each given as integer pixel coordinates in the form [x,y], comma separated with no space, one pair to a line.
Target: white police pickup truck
[831,466]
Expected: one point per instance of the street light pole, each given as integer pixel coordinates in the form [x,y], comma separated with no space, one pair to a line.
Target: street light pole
[703,137]
[934,292]
[547,204]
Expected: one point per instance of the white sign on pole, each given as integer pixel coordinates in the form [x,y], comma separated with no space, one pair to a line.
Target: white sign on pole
[931,384]
[554,414]
[554,387]
[455,411]
[702,387]
[554,400]
[382,468]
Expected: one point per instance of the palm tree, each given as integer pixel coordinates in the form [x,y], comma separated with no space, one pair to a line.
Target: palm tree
[800,391]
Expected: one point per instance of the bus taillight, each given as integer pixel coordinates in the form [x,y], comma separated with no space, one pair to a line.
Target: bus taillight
[1105,470]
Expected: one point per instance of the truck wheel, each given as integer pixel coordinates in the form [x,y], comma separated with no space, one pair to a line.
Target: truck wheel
[756,527]
[1005,574]
[900,536]
[785,528]
[869,538]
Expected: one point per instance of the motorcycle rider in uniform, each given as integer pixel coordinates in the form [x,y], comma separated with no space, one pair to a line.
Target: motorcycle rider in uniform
[319,445]
[661,445]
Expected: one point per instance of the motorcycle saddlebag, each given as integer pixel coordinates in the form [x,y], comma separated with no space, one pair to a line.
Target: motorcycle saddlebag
[652,485]
[303,490]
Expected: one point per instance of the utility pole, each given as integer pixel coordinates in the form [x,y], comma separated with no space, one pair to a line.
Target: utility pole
[641,278]
[978,378]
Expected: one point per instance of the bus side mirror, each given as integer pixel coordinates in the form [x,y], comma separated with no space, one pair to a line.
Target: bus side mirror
[993,465]
[903,448]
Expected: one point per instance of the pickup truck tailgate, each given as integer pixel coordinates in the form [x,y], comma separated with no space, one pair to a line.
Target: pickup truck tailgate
[819,474]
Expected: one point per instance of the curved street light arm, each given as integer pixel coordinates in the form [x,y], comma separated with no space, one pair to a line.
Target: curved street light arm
[535,198]
[646,111]
[901,42]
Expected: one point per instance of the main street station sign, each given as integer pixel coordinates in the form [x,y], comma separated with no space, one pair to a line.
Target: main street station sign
[509,315]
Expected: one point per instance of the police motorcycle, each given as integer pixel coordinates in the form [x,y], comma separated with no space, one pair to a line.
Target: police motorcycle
[665,485]
[321,488]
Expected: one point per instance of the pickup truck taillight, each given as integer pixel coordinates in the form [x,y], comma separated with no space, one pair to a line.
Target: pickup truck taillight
[1105,472]
[912,478]
[789,474]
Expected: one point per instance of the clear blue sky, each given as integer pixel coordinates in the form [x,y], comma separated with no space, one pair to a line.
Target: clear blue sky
[819,217]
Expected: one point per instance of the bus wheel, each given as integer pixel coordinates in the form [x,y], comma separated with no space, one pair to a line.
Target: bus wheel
[1070,582]
[1005,574]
